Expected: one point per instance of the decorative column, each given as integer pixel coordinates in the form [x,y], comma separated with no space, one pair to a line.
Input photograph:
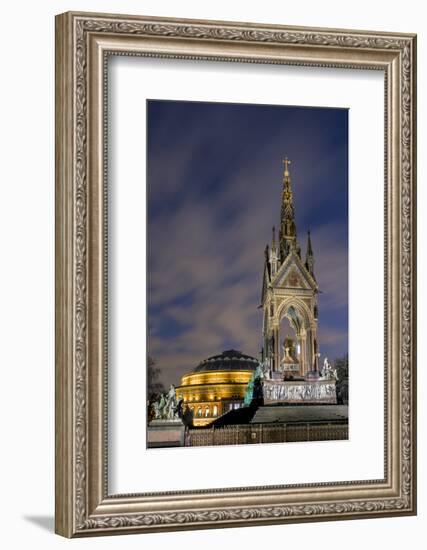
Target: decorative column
[315,349]
[276,349]
[310,350]
[303,352]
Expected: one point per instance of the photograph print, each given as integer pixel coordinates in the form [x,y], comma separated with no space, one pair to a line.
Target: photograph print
[247,274]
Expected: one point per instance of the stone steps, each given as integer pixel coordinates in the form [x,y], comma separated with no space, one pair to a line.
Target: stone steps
[300,413]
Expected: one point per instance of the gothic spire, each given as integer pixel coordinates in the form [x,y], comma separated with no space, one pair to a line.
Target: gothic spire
[309,257]
[273,255]
[287,233]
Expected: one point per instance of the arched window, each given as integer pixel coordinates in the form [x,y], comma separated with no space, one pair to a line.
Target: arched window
[215,410]
[199,411]
[207,411]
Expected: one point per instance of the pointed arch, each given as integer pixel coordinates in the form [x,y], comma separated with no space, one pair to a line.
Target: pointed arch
[300,306]
[303,322]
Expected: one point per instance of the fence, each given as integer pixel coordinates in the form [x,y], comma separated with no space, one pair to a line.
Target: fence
[263,433]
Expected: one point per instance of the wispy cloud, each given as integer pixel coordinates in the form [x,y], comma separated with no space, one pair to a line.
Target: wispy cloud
[214,184]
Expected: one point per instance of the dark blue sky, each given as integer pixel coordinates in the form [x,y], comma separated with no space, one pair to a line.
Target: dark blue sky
[214,190]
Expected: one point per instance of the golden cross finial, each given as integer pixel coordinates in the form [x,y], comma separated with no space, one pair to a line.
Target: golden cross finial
[286,162]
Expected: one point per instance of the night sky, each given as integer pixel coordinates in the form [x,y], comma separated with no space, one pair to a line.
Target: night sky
[214,192]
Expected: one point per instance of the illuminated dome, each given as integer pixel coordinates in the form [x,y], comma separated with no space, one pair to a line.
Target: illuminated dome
[229,359]
[216,385]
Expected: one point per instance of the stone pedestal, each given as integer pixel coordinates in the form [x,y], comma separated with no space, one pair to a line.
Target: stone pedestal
[165,433]
[299,391]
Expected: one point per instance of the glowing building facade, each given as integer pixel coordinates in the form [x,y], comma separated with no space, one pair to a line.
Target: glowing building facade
[217,385]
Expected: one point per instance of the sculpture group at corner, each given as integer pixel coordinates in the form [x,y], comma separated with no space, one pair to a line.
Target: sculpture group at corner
[167,406]
[328,372]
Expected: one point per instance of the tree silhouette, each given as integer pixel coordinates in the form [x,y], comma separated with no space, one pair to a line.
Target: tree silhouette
[341,366]
[154,384]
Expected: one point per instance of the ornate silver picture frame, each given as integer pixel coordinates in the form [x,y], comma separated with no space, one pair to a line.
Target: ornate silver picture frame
[84,505]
